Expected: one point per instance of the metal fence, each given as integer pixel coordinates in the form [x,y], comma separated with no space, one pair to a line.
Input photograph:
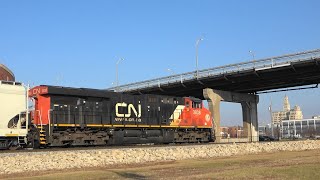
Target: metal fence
[272,62]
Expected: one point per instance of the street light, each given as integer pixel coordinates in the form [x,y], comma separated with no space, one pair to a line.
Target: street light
[197,46]
[117,76]
[253,57]
[170,70]
[252,54]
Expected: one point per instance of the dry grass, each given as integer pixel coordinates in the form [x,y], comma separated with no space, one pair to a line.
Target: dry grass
[280,165]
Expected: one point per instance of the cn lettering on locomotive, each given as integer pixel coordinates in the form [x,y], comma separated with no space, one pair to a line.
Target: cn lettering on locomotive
[130,108]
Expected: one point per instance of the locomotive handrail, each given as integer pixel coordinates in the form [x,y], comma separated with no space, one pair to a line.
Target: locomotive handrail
[256,65]
[39,112]
[49,121]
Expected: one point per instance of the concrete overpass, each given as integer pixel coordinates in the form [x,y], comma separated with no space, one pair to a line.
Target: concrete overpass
[284,71]
[236,83]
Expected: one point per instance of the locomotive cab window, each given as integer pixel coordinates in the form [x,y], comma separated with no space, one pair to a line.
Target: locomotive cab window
[187,104]
[197,105]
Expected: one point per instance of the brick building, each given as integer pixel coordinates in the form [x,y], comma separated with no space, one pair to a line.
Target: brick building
[6,74]
[232,132]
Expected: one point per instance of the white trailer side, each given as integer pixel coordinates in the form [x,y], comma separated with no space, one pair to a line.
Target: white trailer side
[13,110]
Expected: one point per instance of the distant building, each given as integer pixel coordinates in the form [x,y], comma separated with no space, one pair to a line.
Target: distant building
[6,74]
[263,130]
[289,123]
[232,132]
[287,113]
[224,132]
[273,130]
[303,128]
[316,117]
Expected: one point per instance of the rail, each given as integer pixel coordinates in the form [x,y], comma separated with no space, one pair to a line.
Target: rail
[272,62]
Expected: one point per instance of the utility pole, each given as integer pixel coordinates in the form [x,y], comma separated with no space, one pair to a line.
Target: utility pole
[270,109]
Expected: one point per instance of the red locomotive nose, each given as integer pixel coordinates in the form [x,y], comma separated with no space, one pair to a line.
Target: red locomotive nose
[194,114]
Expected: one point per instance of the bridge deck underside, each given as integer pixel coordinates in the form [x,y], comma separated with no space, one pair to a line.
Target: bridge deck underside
[249,81]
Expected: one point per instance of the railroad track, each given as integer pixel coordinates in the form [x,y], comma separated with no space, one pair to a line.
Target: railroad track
[76,148]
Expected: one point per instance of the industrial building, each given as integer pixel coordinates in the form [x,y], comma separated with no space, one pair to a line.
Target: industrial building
[304,128]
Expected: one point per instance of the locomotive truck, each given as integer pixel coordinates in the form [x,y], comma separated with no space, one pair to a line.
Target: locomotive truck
[65,116]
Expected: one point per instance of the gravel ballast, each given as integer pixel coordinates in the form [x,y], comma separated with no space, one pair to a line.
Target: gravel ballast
[18,162]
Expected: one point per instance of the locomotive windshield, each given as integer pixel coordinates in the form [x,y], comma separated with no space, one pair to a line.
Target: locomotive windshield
[197,105]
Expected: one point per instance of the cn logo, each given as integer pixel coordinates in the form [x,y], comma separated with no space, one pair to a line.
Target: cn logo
[39,90]
[130,107]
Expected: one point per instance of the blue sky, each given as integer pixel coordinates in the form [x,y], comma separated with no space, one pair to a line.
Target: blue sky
[77,43]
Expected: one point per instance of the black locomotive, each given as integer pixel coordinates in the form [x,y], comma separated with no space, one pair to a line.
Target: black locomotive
[66,116]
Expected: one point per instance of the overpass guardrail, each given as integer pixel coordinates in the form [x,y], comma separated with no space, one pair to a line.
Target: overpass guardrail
[261,64]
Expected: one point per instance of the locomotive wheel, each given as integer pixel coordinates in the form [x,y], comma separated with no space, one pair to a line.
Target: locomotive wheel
[35,144]
[14,145]
[34,138]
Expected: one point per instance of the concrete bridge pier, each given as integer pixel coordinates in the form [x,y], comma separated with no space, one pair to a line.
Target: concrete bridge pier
[249,104]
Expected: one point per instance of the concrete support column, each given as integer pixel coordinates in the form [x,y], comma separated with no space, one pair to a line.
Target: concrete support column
[214,107]
[249,111]
[250,121]
[246,120]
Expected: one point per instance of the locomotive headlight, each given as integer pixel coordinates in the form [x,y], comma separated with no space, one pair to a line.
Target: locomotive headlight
[207,117]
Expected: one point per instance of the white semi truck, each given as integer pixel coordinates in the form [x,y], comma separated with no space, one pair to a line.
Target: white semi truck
[14,116]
